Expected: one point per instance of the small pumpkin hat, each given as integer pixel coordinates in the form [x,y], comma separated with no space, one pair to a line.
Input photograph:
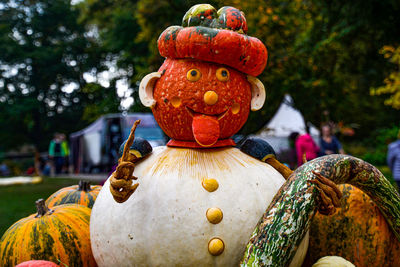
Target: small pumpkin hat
[215,36]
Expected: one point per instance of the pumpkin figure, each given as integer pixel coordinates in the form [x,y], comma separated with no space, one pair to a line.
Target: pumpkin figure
[82,194]
[60,234]
[198,198]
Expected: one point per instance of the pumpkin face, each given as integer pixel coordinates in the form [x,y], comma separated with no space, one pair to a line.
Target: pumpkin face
[82,194]
[59,234]
[195,98]
[357,232]
[190,203]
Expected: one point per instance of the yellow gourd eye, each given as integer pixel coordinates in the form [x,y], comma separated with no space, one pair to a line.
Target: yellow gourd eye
[193,75]
[222,74]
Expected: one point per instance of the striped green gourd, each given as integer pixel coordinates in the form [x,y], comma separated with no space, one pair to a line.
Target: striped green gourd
[287,219]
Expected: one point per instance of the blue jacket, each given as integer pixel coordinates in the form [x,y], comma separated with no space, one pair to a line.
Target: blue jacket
[393,159]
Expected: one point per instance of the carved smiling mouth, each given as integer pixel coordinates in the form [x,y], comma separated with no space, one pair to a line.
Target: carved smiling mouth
[218,116]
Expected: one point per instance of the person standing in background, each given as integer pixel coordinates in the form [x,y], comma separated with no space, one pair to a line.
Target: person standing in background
[393,159]
[329,144]
[305,146]
[64,153]
[58,150]
[55,153]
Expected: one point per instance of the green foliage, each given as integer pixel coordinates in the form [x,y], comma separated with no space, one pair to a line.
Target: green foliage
[337,61]
[374,148]
[377,157]
[100,100]
[392,81]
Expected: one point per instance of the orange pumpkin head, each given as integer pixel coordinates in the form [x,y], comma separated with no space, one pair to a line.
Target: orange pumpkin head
[203,93]
[201,101]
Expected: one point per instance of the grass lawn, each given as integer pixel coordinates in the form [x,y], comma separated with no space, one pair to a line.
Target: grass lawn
[18,201]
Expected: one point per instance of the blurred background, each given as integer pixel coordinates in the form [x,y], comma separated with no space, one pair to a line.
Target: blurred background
[70,70]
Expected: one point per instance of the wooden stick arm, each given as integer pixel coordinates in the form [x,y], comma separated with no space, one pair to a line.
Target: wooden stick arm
[280,167]
[121,185]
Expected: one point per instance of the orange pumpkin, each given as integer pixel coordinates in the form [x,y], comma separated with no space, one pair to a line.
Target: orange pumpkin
[206,15]
[183,110]
[83,194]
[357,232]
[60,234]
[215,36]
[214,45]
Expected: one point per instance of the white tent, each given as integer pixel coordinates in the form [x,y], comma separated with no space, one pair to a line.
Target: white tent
[286,120]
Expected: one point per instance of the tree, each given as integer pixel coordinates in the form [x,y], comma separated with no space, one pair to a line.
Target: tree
[45,53]
[392,81]
[337,61]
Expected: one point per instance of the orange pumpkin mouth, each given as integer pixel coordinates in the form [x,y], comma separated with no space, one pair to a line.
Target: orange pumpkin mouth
[219,116]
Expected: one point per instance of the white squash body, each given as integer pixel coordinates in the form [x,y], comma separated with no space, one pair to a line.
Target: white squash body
[164,222]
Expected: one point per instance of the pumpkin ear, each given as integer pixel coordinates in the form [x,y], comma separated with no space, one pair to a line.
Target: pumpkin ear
[257,93]
[146,89]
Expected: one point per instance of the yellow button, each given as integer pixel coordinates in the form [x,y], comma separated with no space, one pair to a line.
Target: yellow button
[210,97]
[210,184]
[216,246]
[214,215]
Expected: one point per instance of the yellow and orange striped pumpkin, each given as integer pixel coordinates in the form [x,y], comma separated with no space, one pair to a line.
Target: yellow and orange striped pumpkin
[83,194]
[357,232]
[58,235]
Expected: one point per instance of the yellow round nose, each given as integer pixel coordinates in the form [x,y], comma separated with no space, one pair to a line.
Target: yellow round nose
[210,97]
